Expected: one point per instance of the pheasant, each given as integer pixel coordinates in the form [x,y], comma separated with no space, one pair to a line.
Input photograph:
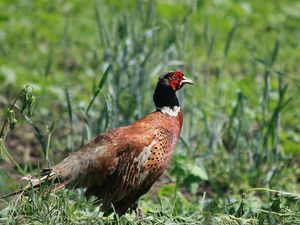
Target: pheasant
[121,165]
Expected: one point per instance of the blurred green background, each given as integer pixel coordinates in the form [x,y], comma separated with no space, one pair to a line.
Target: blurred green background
[241,118]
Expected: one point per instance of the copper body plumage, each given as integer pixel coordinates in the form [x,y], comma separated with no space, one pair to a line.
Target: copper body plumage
[121,165]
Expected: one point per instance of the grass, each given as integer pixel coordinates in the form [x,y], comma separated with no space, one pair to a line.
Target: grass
[84,69]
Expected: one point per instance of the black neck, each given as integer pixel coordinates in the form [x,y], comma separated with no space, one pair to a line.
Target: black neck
[165,96]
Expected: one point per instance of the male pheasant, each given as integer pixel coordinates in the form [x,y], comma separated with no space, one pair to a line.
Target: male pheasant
[121,165]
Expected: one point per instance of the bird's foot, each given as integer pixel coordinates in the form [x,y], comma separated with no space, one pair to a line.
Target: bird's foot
[137,210]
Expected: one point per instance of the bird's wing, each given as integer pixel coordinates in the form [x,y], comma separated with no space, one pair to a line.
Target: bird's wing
[94,162]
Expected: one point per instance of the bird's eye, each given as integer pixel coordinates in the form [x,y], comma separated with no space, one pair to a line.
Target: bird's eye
[173,77]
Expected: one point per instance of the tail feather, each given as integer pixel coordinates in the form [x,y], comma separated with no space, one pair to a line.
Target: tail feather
[35,182]
[67,173]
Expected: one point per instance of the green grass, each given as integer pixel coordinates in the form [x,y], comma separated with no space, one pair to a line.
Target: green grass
[93,66]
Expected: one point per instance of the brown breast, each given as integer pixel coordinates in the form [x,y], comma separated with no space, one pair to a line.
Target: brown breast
[154,143]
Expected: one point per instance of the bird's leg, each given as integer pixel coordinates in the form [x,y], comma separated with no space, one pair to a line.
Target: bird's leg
[137,210]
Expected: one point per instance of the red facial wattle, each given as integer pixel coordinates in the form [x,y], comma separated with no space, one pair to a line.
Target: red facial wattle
[174,84]
[177,80]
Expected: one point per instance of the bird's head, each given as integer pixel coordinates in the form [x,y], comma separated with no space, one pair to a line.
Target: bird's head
[174,80]
[167,85]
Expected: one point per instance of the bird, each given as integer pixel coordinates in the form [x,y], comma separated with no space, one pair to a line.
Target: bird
[121,165]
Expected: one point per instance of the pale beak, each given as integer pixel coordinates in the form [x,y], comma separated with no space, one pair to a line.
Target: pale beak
[186,81]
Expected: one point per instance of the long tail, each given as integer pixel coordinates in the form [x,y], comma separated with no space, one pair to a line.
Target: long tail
[47,176]
[71,172]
